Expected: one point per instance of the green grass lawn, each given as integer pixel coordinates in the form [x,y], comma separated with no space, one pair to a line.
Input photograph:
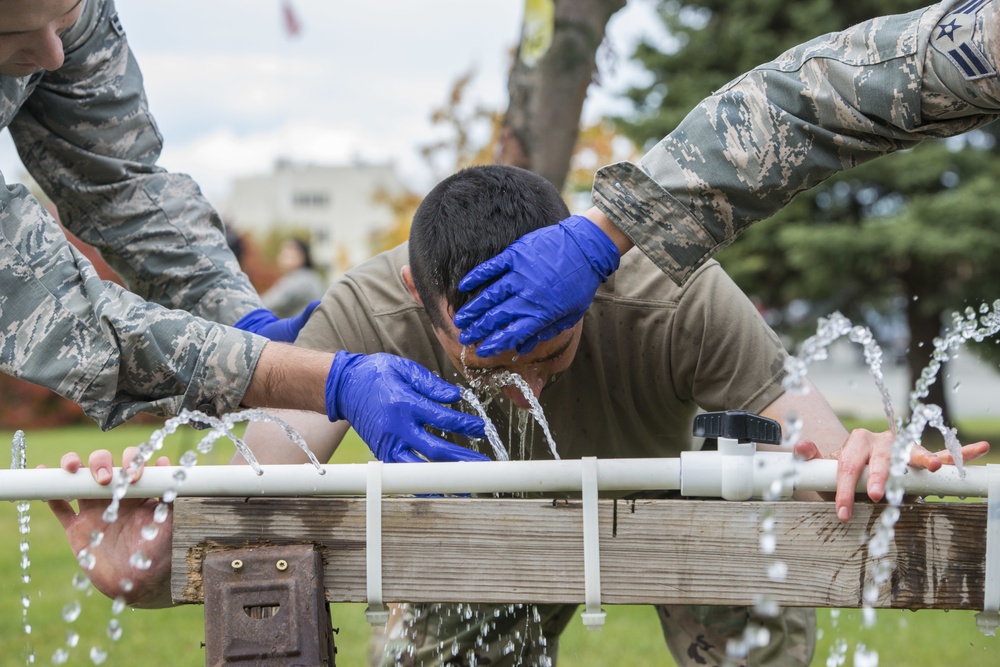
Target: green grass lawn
[173,636]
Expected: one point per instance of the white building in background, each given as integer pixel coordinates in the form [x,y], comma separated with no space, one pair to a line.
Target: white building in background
[337,204]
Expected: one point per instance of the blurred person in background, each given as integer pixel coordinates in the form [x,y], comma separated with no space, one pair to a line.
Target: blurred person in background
[300,283]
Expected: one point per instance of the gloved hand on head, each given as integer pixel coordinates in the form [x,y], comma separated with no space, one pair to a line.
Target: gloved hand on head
[543,284]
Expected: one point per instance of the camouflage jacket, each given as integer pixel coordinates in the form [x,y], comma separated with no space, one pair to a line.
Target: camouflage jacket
[822,107]
[84,132]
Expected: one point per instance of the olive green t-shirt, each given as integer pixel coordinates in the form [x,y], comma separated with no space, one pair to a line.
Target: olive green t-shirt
[651,353]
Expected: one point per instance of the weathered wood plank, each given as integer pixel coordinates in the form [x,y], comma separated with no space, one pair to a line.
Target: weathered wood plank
[652,551]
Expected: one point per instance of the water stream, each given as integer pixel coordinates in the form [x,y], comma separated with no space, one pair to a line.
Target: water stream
[972,324]
[18,461]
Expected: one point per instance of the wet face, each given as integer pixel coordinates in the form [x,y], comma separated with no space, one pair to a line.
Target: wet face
[539,368]
[31,34]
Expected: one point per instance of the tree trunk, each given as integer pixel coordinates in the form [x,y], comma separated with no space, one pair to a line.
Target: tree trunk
[542,122]
[924,328]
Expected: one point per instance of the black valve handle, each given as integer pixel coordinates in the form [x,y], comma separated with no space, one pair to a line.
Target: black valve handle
[736,425]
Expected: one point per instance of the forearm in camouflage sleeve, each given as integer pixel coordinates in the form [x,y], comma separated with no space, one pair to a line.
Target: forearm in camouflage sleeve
[823,107]
[95,343]
[86,135]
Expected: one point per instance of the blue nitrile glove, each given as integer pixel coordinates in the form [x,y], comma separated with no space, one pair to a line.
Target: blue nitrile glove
[265,323]
[388,400]
[545,282]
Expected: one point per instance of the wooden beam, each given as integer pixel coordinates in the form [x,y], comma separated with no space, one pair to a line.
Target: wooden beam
[652,551]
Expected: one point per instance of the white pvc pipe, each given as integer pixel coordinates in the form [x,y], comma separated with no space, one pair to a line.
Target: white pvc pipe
[350,479]
[481,477]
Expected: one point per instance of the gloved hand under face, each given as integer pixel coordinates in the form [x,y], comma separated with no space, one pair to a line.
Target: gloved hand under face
[389,400]
[265,323]
[544,282]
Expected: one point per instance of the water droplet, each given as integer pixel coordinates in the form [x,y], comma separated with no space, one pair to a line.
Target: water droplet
[149,532]
[60,656]
[882,572]
[767,607]
[117,606]
[80,581]
[86,560]
[71,612]
[98,655]
[777,571]
[25,601]
[768,543]
[161,512]
[126,585]
[114,629]
[96,537]
[737,649]
[72,638]
[140,561]
[169,496]
[871,593]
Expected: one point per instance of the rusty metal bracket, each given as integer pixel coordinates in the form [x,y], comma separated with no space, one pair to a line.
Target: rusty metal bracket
[266,606]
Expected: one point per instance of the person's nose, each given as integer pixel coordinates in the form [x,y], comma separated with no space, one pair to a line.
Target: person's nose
[535,382]
[47,50]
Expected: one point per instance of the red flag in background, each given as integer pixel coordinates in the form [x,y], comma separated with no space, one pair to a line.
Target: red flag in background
[292,26]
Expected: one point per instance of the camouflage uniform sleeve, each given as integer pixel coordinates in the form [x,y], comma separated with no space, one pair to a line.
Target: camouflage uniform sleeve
[60,325]
[99,345]
[86,135]
[822,107]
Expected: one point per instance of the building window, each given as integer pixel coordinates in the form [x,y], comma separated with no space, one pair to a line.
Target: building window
[311,199]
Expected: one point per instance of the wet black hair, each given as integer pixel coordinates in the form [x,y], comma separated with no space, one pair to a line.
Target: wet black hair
[469,218]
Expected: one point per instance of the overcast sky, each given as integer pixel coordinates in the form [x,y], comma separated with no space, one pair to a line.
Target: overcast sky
[232,91]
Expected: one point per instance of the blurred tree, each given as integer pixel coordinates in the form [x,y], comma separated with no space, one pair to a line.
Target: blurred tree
[471,136]
[598,144]
[917,228]
[403,205]
[554,65]
[471,131]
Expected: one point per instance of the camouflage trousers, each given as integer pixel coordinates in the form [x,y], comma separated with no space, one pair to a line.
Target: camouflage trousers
[522,635]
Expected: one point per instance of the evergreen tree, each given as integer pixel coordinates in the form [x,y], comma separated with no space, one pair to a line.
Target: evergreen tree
[919,229]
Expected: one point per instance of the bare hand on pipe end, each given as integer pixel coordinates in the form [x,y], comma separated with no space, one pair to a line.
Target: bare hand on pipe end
[864,448]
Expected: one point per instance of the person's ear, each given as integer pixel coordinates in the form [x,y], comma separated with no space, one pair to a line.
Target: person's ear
[407,277]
